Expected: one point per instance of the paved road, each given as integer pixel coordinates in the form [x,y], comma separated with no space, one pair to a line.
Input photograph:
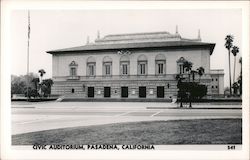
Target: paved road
[30,117]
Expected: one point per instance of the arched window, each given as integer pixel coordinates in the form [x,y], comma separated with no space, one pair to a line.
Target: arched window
[142,65]
[124,65]
[160,64]
[180,68]
[107,66]
[73,69]
[91,66]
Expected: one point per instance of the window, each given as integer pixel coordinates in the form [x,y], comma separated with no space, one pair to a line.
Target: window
[142,65]
[73,71]
[212,86]
[107,66]
[142,68]
[124,65]
[160,68]
[91,66]
[216,86]
[216,79]
[91,70]
[181,69]
[160,64]
[124,69]
[180,65]
[212,79]
[107,69]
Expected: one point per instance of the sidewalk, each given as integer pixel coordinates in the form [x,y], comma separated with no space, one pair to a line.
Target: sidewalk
[123,105]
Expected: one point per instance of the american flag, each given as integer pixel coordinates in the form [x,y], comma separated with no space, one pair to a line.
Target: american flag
[28,24]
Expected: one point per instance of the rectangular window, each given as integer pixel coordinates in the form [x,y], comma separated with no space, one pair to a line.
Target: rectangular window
[73,71]
[107,69]
[124,69]
[91,70]
[180,69]
[160,68]
[142,68]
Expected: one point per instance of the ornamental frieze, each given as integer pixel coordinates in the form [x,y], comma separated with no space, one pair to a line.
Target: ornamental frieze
[124,52]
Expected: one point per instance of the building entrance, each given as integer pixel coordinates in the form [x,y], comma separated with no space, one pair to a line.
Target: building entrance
[91,91]
[142,92]
[160,91]
[106,91]
[124,92]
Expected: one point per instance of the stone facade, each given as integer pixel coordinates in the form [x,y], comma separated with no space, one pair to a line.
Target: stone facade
[140,65]
[217,82]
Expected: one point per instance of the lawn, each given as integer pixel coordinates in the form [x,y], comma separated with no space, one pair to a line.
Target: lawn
[205,131]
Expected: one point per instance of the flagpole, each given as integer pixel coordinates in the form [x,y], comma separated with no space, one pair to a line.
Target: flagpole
[28,55]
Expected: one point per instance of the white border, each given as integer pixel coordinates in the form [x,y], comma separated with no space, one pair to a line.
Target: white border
[7,153]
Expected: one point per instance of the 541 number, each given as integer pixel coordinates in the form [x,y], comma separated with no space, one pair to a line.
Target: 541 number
[231,147]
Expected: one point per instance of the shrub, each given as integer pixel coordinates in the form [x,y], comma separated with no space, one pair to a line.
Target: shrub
[191,90]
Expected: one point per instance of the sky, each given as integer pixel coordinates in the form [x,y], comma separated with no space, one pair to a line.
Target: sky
[56,29]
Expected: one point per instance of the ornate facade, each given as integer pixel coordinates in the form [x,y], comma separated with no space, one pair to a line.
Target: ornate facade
[140,65]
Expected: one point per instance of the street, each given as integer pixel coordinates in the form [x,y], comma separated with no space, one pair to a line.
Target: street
[31,117]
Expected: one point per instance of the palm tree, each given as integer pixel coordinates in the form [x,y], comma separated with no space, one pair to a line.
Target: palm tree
[46,86]
[188,66]
[193,72]
[235,50]
[42,72]
[228,45]
[240,61]
[240,77]
[200,71]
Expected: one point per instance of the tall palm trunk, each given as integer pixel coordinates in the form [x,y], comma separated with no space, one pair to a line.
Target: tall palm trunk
[230,89]
[234,68]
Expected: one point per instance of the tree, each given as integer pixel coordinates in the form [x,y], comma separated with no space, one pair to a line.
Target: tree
[193,72]
[240,61]
[17,85]
[42,72]
[240,83]
[36,82]
[188,91]
[188,67]
[235,87]
[20,83]
[228,45]
[46,87]
[200,71]
[240,77]
[235,51]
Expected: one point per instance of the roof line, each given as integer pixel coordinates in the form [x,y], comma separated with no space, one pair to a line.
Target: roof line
[141,33]
[212,45]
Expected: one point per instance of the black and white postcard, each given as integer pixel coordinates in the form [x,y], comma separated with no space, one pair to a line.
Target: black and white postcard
[125,80]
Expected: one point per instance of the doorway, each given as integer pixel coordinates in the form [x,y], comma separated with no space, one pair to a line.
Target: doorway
[160,91]
[91,91]
[106,91]
[142,92]
[124,92]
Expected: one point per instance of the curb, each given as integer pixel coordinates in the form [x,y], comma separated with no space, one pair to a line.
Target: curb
[189,108]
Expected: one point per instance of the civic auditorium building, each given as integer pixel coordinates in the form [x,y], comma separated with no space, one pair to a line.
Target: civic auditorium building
[138,65]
